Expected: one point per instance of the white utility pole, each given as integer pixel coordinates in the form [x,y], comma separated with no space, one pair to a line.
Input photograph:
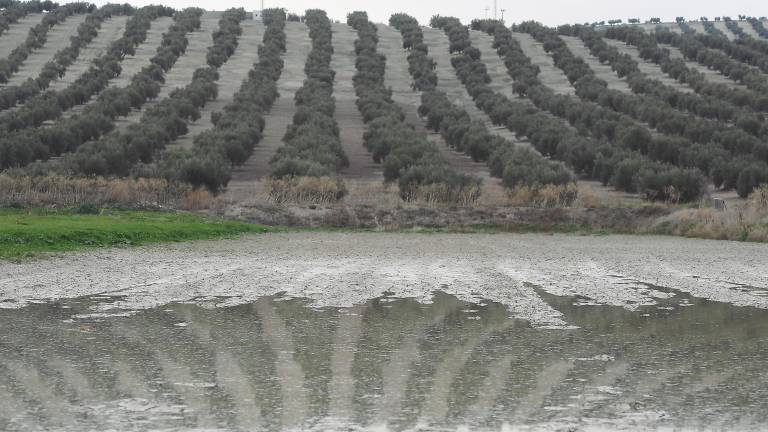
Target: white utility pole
[495,11]
[502,14]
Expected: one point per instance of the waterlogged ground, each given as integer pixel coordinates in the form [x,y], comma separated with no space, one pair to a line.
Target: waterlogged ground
[389,332]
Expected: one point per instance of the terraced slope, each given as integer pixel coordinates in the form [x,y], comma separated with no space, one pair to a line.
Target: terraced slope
[698,27]
[601,70]
[57,39]
[111,30]
[180,74]
[351,126]
[231,76]
[17,33]
[650,69]
[298,45]
[134,64]
[550,76]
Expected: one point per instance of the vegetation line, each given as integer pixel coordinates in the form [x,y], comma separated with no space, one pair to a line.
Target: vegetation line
[29,233]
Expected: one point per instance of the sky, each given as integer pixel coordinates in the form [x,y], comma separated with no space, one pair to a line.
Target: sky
[550,12]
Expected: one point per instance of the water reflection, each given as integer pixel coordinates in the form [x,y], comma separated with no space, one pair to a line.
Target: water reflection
[391,363]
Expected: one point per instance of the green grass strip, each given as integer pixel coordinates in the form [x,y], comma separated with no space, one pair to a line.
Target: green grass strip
[31,232]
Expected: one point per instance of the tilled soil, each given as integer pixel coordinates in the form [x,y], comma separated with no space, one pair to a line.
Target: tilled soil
[345,269]
[56,40]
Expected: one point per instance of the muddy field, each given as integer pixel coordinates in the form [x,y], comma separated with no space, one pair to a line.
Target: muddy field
[382,331]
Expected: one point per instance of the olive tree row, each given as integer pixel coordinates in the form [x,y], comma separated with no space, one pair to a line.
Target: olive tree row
[54,69]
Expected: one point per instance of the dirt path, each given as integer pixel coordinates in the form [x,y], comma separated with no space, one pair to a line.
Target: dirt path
[17,33]
[231,76]
[351,125]
[111,30]
[650,69]
[298,45]
[181,73]
[132,65]
[550,76]
[601,70]
[57,39]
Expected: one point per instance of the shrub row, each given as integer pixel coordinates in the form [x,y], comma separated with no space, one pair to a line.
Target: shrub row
[23,146]
[715,145]
[516,165]
[758,26]
[118,153]
[37,37]
[617,140]
[693,48]
[705,106]
[677,69]
[238,128]
[312,145]
[54,69]
[408,156]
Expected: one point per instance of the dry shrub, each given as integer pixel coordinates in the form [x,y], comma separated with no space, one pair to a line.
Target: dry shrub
[56,190]
[441,194]
[318,190]
[747,222]
[546,196]
[198,199]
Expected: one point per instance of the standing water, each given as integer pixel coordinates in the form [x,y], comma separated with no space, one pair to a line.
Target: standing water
[391,363]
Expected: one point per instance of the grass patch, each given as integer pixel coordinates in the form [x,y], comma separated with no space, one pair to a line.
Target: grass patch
[31,232]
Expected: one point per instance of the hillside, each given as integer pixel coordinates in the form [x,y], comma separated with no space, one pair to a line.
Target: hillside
[443,112]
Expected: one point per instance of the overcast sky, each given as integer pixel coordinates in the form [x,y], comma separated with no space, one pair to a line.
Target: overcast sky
[551,12]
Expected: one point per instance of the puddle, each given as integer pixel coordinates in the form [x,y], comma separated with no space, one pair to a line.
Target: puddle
[281,362]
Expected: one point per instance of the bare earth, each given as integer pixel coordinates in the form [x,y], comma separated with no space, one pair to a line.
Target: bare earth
[345,269]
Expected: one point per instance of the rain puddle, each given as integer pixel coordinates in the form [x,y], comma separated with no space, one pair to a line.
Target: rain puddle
[389,364]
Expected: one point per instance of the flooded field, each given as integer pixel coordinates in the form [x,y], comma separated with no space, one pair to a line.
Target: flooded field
[389,332]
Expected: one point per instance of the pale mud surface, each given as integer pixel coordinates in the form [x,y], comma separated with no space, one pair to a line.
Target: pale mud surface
[131,65]
[180,75]
[56,40]
[348,117]
[111,30]
[550,75]
[231,77]
[377,331]
[648,68]
[17,33]
[298,44]
[348,269]
[601,70]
